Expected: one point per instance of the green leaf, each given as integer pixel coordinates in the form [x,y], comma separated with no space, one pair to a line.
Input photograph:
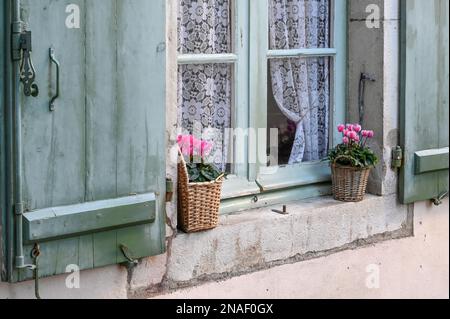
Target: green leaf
[353,155]
[201,172]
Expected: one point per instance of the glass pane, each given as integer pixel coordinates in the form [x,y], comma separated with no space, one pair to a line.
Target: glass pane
[204,27]
[204,106]
[299,24]
[299,108]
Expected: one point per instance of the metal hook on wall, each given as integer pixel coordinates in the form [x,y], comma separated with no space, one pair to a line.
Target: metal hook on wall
[362,92]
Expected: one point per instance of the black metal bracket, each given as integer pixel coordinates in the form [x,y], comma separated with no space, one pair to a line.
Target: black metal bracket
[282,212]
[362,92]
[438,201]
[397,157]
[131,261]
[169,190]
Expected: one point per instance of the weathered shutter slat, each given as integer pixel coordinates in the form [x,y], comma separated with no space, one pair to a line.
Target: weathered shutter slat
[424,103]
[70,221]
[141,90]
[85,249]
[431,160]
[54,144]
[101,99]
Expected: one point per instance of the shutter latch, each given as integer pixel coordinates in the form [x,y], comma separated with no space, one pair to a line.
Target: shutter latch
[21,51]
[169,190]
[397,157]
[440,199]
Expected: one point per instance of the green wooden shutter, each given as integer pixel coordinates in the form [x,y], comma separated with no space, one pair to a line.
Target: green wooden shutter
[2,149]
[94,169]
[425,82]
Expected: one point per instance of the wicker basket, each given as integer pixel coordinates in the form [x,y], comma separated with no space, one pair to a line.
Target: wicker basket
[349,183]
[199,203]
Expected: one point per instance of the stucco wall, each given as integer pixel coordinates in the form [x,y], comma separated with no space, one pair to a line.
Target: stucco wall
[414,268]
[191,259]
[375,51]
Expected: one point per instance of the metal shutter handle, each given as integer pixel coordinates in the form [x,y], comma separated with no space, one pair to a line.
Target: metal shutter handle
[56,62]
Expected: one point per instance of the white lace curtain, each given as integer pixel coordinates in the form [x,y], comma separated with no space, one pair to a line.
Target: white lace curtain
[301,87]
[205,90]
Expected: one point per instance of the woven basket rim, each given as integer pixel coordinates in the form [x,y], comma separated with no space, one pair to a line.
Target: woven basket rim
[206,183]
[351,167]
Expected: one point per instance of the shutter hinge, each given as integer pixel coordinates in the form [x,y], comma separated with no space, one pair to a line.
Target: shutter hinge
[19,209]
[16,35]
[397,158]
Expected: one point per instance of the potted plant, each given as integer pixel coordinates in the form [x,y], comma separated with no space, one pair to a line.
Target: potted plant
[351,163]
[199,186]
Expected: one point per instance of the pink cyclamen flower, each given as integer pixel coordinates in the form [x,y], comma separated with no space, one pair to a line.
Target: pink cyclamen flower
[341,128]
[357,128]
[186,144]
[191,146]
[346,140]
[370,134]
[357,139]
[352,135]
[364,133]
[206,148]
[350,127]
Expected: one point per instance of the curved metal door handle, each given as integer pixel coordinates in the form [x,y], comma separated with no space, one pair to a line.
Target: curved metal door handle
[56,62]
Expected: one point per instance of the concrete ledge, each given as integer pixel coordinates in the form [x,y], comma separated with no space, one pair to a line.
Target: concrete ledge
[260,238]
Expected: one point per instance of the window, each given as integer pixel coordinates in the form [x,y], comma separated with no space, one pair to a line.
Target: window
[210,64]
[265,80]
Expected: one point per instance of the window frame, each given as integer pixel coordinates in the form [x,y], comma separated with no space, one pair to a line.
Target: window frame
[238,183]
[288,176]
[254,184]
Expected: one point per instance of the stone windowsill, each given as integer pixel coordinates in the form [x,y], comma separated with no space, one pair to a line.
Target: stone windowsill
[258,238]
